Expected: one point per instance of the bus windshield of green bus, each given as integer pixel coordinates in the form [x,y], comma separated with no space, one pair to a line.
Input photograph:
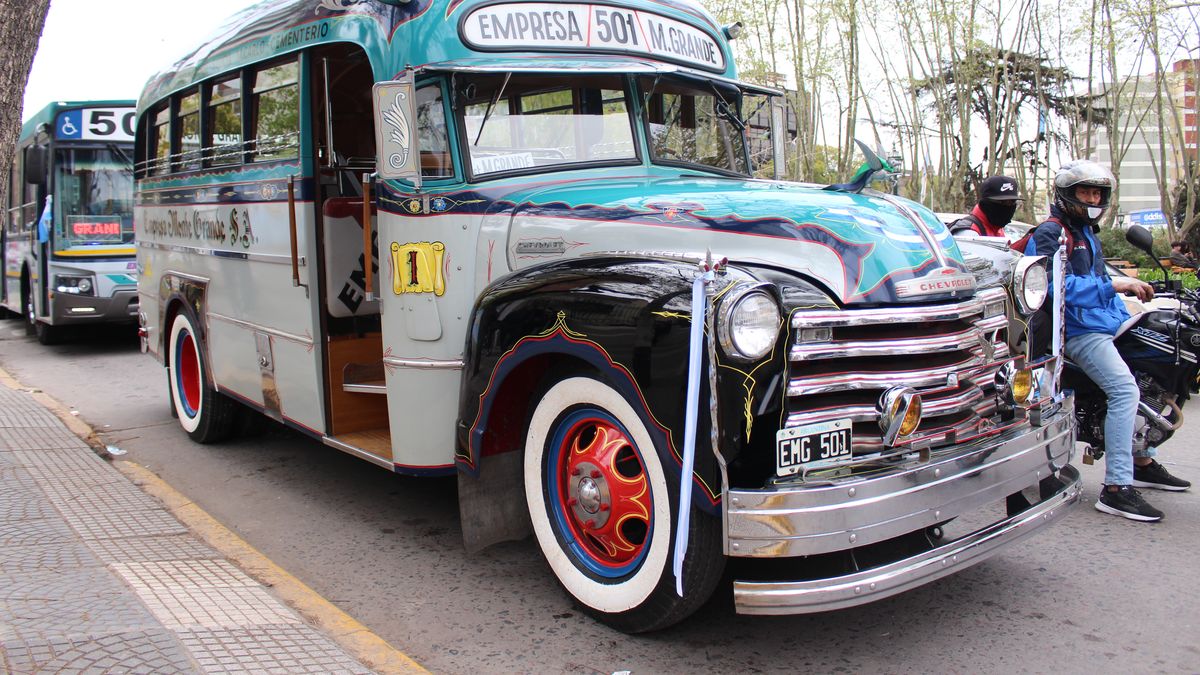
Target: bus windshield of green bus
[93,195]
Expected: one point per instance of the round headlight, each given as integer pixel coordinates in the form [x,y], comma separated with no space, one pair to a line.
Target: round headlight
[1032,285]
[749,326]
[85,285]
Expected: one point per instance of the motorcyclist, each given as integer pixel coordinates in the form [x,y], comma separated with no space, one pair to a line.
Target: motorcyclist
[998,197]
[1082,190]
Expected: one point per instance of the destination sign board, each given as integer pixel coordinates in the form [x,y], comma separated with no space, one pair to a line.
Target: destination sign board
[577,27]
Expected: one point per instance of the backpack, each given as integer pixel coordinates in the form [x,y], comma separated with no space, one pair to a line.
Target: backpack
[965,223]
[1021,244]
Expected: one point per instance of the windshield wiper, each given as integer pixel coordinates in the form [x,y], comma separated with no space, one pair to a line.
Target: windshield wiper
[488,113]
[116,150]
[725,111]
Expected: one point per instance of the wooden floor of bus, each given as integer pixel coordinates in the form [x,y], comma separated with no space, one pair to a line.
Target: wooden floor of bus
[375,441]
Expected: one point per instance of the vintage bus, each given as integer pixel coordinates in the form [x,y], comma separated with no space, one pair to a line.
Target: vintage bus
[522,242]
[68,239]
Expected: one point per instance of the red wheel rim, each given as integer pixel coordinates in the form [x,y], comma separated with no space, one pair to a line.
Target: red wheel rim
[189,372]
[603,495]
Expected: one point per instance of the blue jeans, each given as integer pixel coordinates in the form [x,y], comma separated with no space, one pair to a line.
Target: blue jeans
[1097,356]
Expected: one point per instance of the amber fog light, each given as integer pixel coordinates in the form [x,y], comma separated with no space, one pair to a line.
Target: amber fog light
[899,410]
[1014,384]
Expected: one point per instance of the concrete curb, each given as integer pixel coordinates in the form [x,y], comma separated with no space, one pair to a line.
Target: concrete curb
[351,635]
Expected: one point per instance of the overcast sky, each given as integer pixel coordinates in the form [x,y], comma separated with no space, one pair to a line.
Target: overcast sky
[93,49]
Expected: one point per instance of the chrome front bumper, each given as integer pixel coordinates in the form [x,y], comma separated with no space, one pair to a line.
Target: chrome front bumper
[799,520]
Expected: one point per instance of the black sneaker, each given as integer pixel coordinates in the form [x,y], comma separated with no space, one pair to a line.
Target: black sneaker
[1127,503]
[1155,475]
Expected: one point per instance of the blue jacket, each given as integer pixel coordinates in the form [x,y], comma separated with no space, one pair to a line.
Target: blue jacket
[1092,306]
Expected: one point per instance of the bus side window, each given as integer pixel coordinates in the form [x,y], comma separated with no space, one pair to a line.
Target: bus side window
[14,197]
[276,112]
[187,131]
[159,148]
[223,138]
[30,208]
[434,140]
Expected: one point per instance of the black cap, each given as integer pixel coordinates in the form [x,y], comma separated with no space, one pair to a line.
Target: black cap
[999,189]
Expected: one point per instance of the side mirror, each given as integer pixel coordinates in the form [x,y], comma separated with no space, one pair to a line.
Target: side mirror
[36,164]
[1141,238]
[778,133]
[396,144]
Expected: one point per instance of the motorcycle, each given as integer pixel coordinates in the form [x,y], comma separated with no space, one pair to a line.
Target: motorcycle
[1162,350]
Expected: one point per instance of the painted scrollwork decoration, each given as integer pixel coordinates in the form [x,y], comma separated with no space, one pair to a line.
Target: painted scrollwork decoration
[400,133]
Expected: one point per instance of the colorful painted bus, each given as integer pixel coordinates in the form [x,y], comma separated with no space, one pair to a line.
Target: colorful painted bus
[523,243]
[68,236]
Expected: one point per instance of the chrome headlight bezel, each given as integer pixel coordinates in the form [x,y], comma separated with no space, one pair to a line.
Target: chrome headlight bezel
[1031,283]
[750,300]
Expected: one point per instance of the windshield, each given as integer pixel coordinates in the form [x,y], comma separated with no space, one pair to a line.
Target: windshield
[693,124]
[93,195]
[533,122]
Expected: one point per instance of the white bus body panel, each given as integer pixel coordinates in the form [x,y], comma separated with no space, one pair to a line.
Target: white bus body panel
[424,329]
[249,292]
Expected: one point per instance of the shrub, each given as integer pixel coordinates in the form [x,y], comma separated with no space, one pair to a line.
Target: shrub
[1112,240]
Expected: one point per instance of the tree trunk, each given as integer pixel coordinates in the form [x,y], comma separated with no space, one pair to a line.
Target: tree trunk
[19,34]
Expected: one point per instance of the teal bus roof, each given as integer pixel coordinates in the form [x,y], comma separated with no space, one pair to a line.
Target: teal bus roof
[430,31]
[49,114]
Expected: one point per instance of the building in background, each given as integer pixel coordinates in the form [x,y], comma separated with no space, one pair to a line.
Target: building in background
[1147,156]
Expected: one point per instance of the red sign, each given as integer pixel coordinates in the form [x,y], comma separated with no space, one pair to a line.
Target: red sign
[85,229]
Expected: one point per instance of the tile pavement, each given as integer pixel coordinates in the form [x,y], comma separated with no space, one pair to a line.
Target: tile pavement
[98,577]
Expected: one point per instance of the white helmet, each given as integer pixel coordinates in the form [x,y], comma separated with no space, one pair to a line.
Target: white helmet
[1083,172]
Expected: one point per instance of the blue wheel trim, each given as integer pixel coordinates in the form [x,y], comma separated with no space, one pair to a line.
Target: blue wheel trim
[179,388]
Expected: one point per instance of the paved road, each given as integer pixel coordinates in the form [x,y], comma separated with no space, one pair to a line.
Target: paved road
[1094,594]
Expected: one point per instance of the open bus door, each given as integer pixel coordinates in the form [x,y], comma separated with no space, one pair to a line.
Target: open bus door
[355,399]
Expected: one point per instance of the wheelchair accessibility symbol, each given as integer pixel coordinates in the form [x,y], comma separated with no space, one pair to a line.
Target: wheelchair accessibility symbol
[70,125]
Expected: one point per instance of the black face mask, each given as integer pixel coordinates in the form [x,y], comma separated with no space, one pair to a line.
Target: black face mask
[998,214]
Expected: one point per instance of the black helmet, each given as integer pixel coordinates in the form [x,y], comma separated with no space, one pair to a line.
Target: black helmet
[1083,172]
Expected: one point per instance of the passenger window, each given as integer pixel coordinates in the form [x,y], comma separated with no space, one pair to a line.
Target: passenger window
[187,131]
[434,140]
[224,137]
[160,142]
[277,112]
[14,197]
[30,211]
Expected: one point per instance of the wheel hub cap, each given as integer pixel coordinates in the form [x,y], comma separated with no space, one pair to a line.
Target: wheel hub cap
[606,492]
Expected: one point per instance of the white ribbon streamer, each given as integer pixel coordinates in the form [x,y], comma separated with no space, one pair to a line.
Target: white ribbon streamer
[1058,277]
[695,362]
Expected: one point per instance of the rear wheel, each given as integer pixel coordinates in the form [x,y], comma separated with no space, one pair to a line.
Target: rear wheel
[206,415]
[602,510]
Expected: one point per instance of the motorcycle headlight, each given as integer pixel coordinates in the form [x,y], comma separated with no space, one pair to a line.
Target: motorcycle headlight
[748,324]
[1031,283]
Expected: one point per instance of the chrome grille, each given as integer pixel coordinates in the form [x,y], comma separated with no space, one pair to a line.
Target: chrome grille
[948,352]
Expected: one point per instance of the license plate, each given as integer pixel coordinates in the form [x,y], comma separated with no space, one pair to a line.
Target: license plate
[812,445]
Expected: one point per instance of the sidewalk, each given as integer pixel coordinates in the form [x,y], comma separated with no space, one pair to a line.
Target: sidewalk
[97,576]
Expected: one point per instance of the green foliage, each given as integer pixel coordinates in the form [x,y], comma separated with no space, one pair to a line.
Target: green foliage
[1155,274]
[1112,241]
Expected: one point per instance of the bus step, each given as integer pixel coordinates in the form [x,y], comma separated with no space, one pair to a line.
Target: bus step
[363,378]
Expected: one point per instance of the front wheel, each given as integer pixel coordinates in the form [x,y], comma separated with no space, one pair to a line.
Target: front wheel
[602,510]
[206,415]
